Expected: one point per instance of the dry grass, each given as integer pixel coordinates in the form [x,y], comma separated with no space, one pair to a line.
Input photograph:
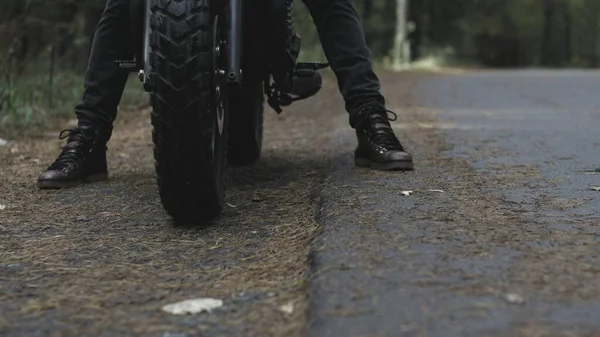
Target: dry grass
[102,259]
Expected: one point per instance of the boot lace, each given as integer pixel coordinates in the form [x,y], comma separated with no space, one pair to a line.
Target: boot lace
[383,137]
[77,142]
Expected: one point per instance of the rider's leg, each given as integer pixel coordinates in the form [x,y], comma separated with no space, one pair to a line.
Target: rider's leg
[83,158]
[104,81]
[344,44]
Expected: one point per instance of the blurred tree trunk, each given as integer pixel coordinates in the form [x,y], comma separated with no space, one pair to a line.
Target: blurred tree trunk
[401,53]
[417,13]
[556,38]
[546,56]
[595,54]
[568,21]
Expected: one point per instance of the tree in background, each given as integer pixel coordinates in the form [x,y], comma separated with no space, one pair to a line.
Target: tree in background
[492,32]
[556,46]
[44,45]
[401,54]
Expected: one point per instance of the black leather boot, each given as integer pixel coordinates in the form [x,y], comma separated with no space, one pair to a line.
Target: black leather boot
[378,147]
[83,159]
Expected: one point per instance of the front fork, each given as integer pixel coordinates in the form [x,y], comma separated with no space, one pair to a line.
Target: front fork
[139,22]
[144,67]
[140,15]
[234,41]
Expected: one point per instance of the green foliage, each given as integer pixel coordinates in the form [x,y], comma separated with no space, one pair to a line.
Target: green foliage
[33,99]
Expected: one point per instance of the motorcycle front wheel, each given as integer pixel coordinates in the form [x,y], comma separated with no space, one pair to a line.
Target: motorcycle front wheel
[189,104]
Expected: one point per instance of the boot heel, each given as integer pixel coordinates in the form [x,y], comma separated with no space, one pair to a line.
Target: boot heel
[92,178]
[362,162]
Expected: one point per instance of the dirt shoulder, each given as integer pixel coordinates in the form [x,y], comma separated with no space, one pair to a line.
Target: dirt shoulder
[103,259]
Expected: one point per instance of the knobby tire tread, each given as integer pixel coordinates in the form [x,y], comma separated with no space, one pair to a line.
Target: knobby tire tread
[183,115]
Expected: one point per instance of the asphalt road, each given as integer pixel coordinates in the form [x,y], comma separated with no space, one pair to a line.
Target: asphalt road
[511,245]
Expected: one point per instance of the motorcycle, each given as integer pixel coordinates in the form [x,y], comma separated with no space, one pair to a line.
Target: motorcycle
[207,66]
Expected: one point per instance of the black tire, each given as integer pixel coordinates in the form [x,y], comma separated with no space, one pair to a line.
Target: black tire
[190,174]
[246,109]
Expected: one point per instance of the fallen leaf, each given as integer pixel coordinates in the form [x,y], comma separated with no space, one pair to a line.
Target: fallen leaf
[231,205]
[595,188]
[287,308]
[406,192]
[439,191]
[2,207]
[515,299]
[193,306]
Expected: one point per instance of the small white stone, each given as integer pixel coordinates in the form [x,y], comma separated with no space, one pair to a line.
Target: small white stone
[514,299]
[193,306]
[287,308]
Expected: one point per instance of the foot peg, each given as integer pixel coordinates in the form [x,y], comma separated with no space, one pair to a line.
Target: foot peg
[306,82]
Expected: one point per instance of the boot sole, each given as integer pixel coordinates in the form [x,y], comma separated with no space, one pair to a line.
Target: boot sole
[387,166]
[57,185]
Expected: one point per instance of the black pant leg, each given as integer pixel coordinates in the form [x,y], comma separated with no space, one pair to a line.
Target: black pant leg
[104,80]
[343,40]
